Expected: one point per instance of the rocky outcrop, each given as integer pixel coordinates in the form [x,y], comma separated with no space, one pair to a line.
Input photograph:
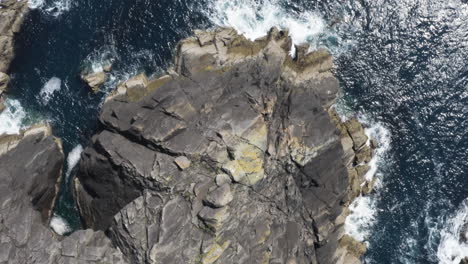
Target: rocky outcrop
[12,13]
[94,80]
[231,157]
[4,80]
[30,173]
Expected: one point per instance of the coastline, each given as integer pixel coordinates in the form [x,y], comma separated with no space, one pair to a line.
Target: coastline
[203,53]
[12,15]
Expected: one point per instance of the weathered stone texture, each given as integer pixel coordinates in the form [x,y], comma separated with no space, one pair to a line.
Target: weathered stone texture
[230,158]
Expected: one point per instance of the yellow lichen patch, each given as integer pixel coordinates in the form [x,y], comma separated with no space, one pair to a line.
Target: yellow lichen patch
[211,68]
[266,257]
[354,247]
[136,87]
[155,84]
[247,167]
[136,94]
[242,46]
[263,232]
[214,252]
[257,135]
[302,154]
[250,160]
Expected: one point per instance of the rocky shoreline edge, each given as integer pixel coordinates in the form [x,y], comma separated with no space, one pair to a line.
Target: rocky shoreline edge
[234,156]
[12,14]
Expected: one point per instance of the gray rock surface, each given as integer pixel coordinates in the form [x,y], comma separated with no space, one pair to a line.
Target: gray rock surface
[30,173]
[94,80]
[268,175]
[12,13]
[4,80]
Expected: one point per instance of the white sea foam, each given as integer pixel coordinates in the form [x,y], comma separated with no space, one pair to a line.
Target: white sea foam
[34,4]
[59,225]
[451,248]
[73,158]
[50,87]
[363,209]
[254,18]
[100,58]
[381,134]
[11,119]
[53,8]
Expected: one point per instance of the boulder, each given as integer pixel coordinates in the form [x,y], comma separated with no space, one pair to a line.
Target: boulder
[363,155]
[219,197]
[356,131]
[182,162]
[107,67]
[95,80]
[222,179]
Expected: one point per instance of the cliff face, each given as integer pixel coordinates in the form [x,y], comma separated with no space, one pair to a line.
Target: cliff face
[12,13]
[231,157]
[31,168]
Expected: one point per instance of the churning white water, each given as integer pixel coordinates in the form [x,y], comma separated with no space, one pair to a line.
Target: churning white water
[73,159]
[254,18]
[453,246]
[59,225]
[53,8]
[364,209]
[11,119]
[50,87]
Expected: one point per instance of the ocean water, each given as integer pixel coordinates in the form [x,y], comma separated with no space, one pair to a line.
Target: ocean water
[403,70]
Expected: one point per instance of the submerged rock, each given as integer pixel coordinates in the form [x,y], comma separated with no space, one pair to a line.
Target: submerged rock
[266,182]
[95,80]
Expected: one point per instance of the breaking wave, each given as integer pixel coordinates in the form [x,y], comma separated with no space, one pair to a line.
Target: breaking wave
[12,118]
[453,246]
[363,209]
[254,18]
[73,159]
[53,8]
[59,225]
[50,87]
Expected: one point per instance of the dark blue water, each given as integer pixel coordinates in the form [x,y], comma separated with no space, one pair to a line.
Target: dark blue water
[401,63]
[139,35]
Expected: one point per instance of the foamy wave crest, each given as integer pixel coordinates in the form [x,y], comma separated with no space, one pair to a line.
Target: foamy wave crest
[358,224]
[50,87]
[453,246]
[100,59]
[381,134]
[364,208]
[254,18]
[59,225]
[73,159]
[11,119]
[53,8]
